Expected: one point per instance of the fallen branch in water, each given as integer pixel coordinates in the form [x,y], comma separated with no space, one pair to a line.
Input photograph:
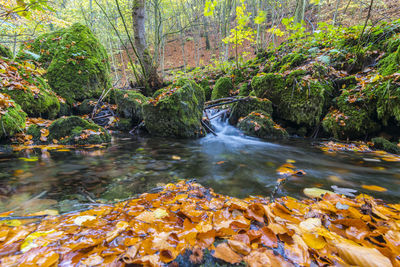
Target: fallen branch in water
[208,128]
[220,99]
[225,103]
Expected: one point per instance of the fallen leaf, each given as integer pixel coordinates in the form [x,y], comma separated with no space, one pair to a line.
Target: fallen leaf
[225,253]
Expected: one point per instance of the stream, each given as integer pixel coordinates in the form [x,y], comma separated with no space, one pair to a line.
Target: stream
[230,163]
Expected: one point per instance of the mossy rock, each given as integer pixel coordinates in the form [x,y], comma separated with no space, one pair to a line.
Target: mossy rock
[222,88]
[386,145]
[5,52]
[386,94]
[177,113]
[78,66]
[205,84]
[34,95]
[12,121]
[129,105]
[87,106]
[244,90]
[260,124]
[68,130]
[298,101]
[391,63]
[243,108]
[238,76]
[289,61]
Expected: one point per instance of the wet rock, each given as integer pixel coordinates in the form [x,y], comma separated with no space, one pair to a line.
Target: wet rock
[260,124]
[176,112]
[130,104]
[386,145]
[245,107]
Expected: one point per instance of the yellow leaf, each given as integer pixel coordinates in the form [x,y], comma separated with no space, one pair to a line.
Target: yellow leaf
[315,192]
[160,213]
[374,188]
[29,241]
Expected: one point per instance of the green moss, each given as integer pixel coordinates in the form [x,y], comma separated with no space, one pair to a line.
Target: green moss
[268,86]
[391,63]
[34,130]
[387,97]
[244,90]
[129,105]
[299,101]
[5,52]
[244,108]
[205,84]
[238,76]
[260,124]
[222,88]
[13,121]
[289,61]
[386,145]
[78,66]
[177,114]
[353,116]
[86,107]
[69,129]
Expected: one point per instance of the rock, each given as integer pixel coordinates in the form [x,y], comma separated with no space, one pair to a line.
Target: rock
[129,105]
[260,124]
[31,91]
[87,106]
[177,112]
[222,88]
[386,145]
[72,131]
[244,90]
[299,100]
[77,63]
[352,117]
[5,52]
[12,117]
[245,107]
[391,63]
[205,84]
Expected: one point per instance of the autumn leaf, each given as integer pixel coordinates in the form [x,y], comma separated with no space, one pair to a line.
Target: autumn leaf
[225,253]
[374,188]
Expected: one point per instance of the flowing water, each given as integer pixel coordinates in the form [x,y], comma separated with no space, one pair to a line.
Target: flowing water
[230,163]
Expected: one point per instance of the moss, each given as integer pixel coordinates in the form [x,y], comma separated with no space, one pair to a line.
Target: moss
[244,108]
[86,107]
[13,121]
[78,66]
[129,105]
[353,116]
[238,76]
[386,145]
[391,63]
[123,125]
[5,52]
[68,130]
[267,86]
[387,97]
[244,90]
[289,61]
[298,100]
[260,124]
[34,130]
[178,113]
[222,88]
[205,84]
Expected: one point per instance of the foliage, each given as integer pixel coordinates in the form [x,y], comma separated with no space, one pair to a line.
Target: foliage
[329,229]
[12,117]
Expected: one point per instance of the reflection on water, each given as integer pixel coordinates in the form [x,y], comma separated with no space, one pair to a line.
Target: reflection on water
[230,163]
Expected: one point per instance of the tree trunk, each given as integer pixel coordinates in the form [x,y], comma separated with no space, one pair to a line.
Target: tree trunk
[152,81]
[300,10]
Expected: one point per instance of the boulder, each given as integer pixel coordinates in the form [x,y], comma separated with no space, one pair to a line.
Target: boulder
[176,112]
[71,131]
[260,124]
[222,88]
[12,117]
[245,107]
[77,63]
[299,99]
[129,105]
[386,145]
[28,89]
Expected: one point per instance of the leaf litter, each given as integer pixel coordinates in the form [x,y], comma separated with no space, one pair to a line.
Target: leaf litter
[157,229]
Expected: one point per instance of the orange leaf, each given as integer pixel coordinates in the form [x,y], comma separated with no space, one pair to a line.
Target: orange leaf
[225,253]
[374,188]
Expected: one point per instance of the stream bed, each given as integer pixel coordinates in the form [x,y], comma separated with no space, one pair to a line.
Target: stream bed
[230,163]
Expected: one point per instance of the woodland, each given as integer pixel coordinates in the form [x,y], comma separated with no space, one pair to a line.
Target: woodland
[200,133]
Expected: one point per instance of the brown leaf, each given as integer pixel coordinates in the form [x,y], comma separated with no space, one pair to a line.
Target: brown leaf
[225,253]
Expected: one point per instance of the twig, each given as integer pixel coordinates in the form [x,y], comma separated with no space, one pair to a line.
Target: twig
[136,127]
[22,217]
[225,103]
[219,100]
